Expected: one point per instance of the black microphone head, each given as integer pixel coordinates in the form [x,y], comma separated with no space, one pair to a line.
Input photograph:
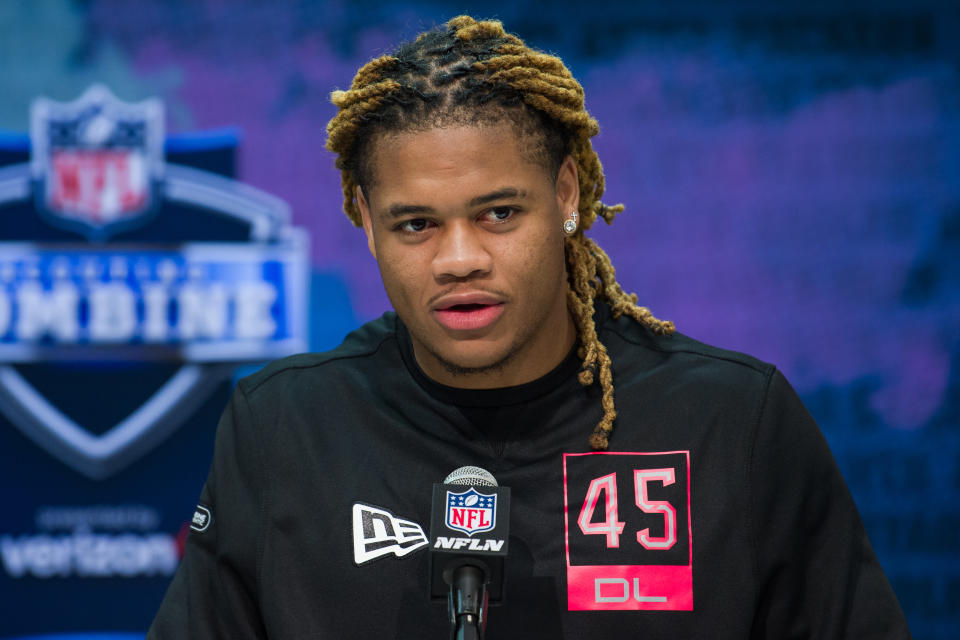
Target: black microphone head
[471,476]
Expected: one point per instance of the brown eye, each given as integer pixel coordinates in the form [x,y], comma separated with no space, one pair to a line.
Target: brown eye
[500,214]
[413,226]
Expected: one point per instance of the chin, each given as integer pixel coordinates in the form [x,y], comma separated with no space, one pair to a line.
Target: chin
[473,362]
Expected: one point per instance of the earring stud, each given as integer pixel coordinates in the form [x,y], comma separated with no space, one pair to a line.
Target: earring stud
[570,224]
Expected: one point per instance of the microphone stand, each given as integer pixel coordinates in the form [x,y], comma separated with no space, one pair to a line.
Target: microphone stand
[467,603]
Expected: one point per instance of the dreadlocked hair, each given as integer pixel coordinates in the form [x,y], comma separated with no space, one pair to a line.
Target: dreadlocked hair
[473,72]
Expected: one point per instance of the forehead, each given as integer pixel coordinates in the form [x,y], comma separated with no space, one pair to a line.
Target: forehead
[525,137]
[452,161]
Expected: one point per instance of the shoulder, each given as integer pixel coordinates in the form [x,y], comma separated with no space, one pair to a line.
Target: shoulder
[629,338]
[678,373]
[358,350]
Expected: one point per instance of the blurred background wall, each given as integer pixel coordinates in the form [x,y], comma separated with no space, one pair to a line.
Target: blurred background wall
[791,175]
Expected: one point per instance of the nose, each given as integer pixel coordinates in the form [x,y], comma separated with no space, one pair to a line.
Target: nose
[460,252]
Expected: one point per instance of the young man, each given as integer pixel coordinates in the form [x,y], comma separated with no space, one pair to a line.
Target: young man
[704,503]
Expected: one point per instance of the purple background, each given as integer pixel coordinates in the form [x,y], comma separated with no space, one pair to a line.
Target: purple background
[791,177]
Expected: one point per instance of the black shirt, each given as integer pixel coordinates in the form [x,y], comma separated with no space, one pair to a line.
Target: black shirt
[718,511]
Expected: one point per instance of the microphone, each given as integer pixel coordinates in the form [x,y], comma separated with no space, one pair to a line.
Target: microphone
[469,529]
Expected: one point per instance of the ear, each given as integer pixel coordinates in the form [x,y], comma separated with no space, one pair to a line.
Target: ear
[367,220]
[568,187]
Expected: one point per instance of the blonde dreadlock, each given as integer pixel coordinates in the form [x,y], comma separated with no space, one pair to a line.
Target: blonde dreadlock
[472,71]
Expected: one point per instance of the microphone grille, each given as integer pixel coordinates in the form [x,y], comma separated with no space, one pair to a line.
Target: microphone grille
[471,476]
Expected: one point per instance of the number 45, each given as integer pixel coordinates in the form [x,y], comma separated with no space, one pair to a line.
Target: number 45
[612,527]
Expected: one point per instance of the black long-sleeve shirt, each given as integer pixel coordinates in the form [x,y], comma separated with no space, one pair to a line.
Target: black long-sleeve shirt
[718,511]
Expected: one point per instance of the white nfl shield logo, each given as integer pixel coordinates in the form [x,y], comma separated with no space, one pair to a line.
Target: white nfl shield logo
[471,511]
[97,160]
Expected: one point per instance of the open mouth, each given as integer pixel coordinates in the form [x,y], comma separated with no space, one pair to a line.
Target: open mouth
[468,317]
[466,308]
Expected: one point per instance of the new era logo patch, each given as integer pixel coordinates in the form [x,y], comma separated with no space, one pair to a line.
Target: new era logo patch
[378,533]
[201,519]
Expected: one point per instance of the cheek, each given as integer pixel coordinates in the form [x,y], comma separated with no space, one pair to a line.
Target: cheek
[400,274]
[540,265]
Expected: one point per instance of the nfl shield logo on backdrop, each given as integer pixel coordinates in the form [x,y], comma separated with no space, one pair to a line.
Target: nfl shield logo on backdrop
[187,273]
[97,161]
[471,512]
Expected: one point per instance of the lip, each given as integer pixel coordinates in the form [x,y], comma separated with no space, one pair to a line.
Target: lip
[467,311]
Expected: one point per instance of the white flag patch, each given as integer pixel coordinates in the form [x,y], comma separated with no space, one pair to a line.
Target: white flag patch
[377,533]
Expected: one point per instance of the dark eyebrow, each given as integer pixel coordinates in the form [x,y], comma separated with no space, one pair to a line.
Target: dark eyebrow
[499,194]
[398,210]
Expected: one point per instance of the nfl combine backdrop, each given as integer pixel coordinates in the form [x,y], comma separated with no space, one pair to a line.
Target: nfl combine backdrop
[136,274]
[791,190]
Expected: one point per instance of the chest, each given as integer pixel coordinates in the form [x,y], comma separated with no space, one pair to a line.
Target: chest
[627,540]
